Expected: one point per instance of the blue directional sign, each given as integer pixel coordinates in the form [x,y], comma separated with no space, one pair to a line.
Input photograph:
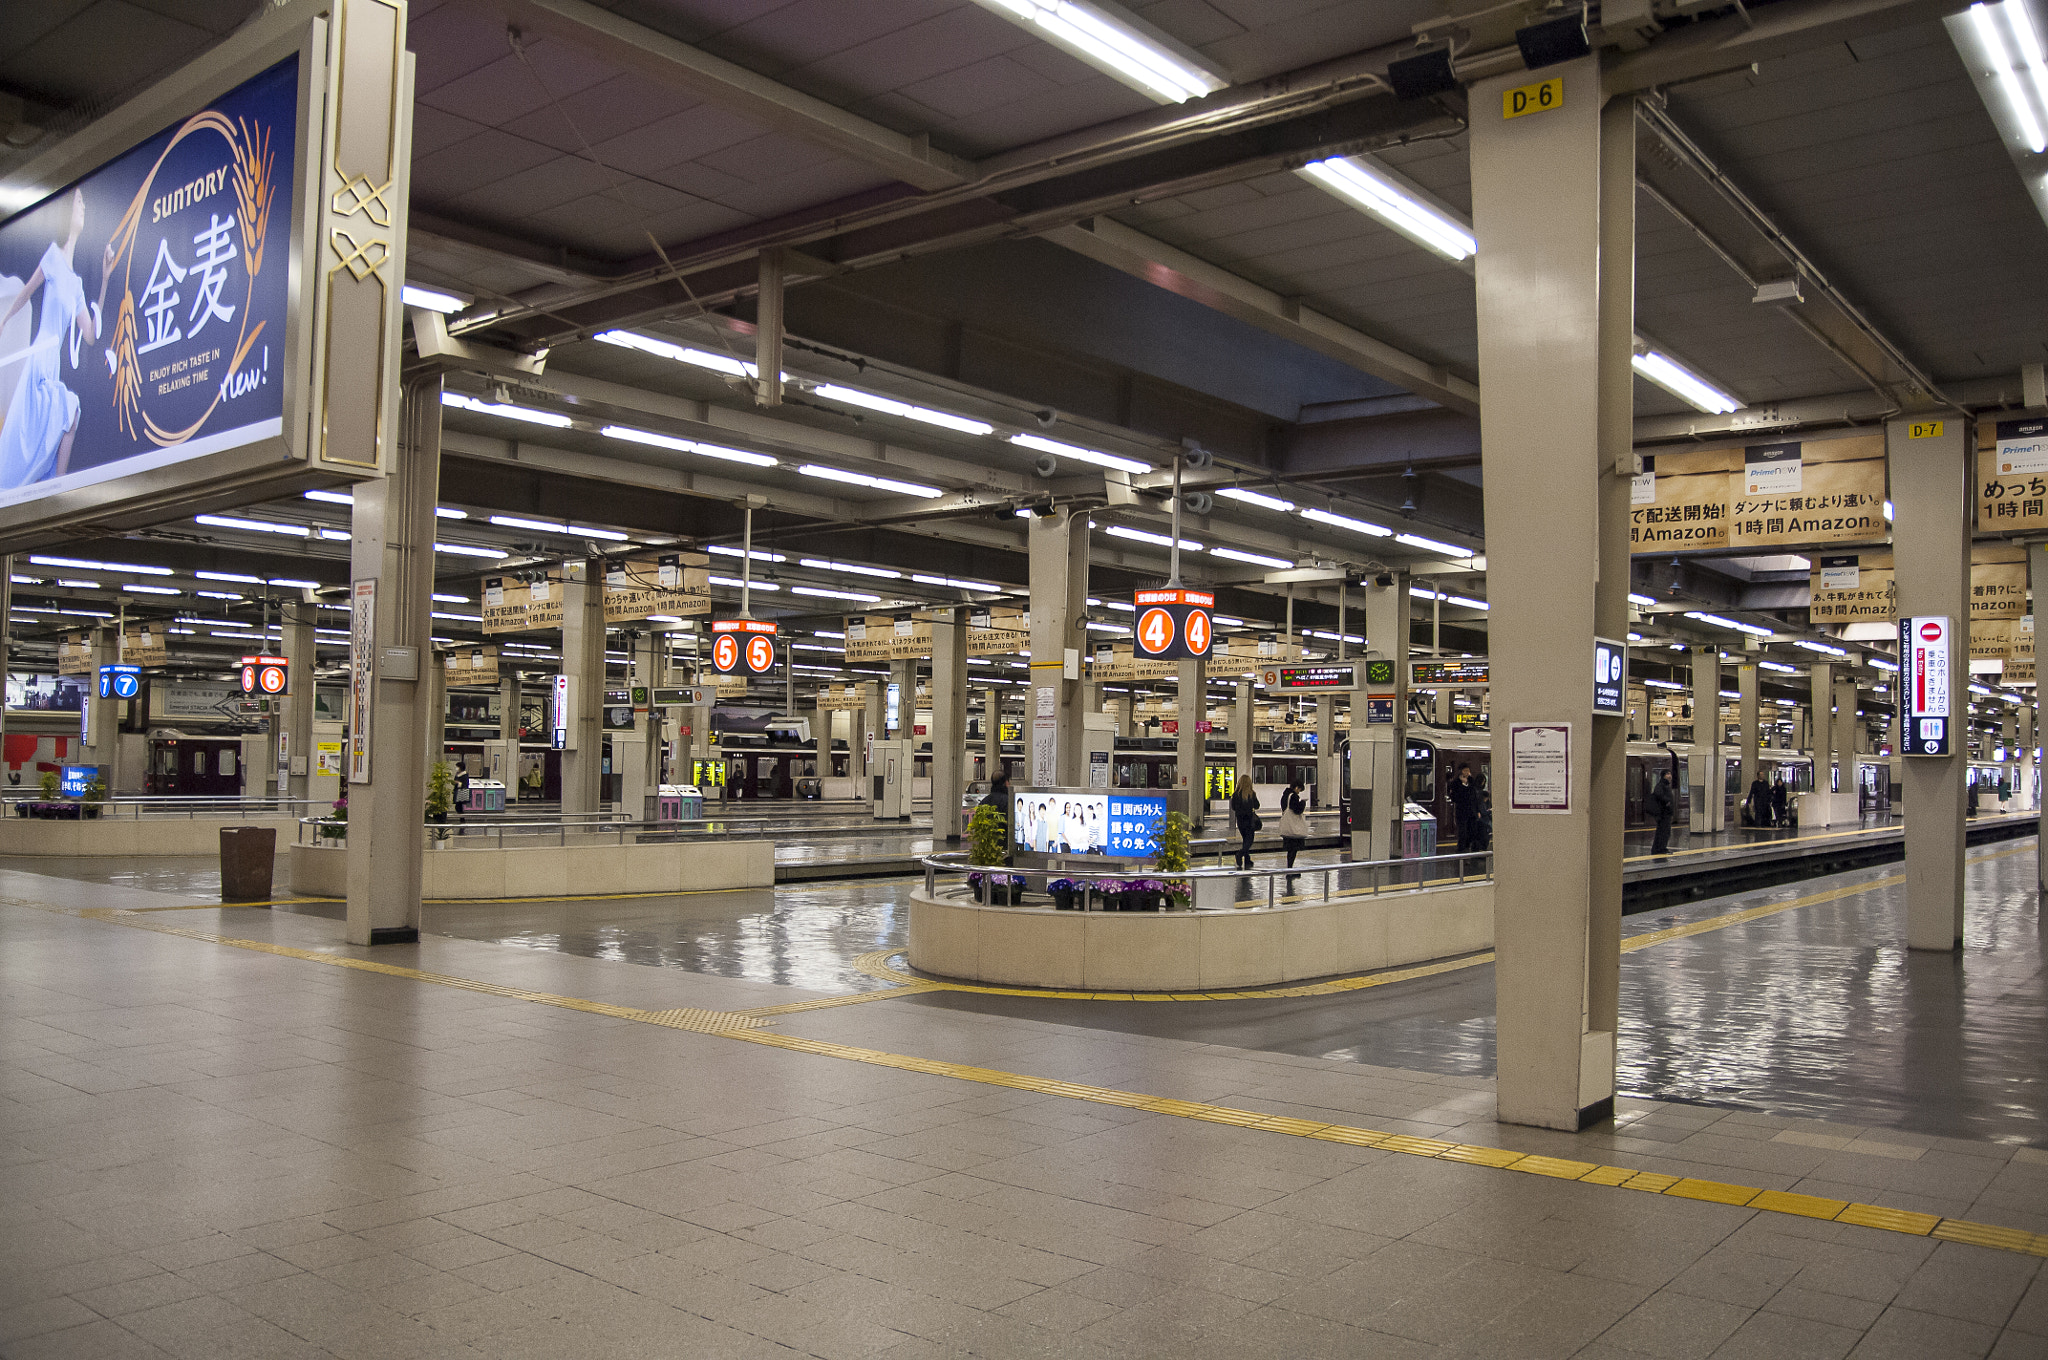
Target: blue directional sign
[120,682]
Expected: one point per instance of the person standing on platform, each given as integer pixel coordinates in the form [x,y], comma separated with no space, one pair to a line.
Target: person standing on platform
[1465,806]
[1293,820]
[1759,803]
[1244,811]
[1778,801]
[1664,803]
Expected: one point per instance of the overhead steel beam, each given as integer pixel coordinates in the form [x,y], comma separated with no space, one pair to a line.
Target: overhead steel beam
[680,66]
[1840,408]
[1109,242]
[1761,33]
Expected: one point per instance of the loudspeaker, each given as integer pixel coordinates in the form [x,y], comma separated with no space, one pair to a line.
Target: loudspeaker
[1422,75]
[1553,41]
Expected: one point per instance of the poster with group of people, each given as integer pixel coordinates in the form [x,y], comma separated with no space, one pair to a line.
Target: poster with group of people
[1121,826]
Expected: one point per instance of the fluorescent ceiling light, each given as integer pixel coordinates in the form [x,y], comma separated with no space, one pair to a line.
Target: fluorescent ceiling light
[507,411]
[1431,545]
[1358,526]
[1109,628]
[1683,383]
[723,551]
[952,584]
[1465,600]
[834,594]
[682,354]
[216,595]
[1117,45]
[459,618]
[1883,665]
[853,396]
[1779,667]
[82,564]
[2007,42]
[331,497]
[1238,493]
[258,526]
[468,550]
[138,588]
[1664,684]
[1256,559]
[1158,540]
[821,564]
[735,583]
[1720,622]
[664,441]
[1818,647]
[78,585]
[296,585]
[445,513]
[1079,454]
[1359,181]
[1634,598]
[228,576]
[451,599]
[549,526]
[433,299]
[863,479]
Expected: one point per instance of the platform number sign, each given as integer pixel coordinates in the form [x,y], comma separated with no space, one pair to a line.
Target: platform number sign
[120,682]
[1610,678]
[1174,624]
[1925,654]
[266,675]
[742,647]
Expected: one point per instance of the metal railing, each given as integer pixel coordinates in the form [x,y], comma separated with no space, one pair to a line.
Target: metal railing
[488,832]
[190,808]
[1349,878]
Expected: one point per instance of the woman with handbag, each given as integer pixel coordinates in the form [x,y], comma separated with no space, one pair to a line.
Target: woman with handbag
[1294,819]
[1244,810]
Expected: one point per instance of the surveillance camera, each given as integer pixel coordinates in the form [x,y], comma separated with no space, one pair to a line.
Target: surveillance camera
[1198,502]
[1046,466]
[1383,580]
[1046,419]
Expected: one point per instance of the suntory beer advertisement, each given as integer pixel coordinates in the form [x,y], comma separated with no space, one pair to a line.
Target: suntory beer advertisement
[142,308]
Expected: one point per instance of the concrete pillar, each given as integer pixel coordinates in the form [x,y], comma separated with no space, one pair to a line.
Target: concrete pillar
[1327,764]
[2009,737]
[1241,728]
[583,663]
[991,732]
[1553,200]
[2025,783]
[874,727]
[903,675]
[821,732]
[434,687]
[1379,764]
[391,553]
[508,708]
[102,726]
[1709,774]
[1746,678]
[1849,736]
[7,643]
[299,643]
[1053,752]
[949,721]
[1932,516]
[1821,724]
[1190,749]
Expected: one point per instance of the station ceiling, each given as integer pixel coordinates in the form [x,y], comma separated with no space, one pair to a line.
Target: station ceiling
[974,220]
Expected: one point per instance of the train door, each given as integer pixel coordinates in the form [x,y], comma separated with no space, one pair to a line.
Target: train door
[188,768]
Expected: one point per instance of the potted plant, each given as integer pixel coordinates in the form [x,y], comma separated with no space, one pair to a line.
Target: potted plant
[334,826]
[988,845]
[1143,894]
[1174,848]
[1064,891]
[95,794]
[440,796]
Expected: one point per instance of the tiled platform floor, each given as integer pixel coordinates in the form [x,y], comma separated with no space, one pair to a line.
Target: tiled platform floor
[211,1151]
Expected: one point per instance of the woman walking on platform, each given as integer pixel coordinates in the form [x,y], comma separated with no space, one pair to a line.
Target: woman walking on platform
[1244,811]
[1293,820]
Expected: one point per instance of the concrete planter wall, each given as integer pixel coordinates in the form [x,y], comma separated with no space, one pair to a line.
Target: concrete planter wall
[130,836]
[453,874]
[956,937]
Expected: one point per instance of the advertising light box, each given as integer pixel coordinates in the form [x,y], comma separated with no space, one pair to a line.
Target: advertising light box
[1125,826]
[1925,647]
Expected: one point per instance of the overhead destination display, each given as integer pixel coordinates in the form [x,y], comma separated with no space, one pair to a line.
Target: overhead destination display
[1173,624]
[1294,679]
[1465,672]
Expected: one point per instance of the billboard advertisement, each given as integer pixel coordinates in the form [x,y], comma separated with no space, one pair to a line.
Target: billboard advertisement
[143,307]
[1065,822]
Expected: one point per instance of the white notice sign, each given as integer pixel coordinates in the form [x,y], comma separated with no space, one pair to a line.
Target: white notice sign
[1045,751]
[1539,767]
[1771,469]
[1841,573]
[2023,455]
[1642,488]
[1048,705]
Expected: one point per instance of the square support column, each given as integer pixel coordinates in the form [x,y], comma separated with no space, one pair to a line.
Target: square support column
[1191,746]
[1746,684]
[1553,196]
[1931,524]
[991,733]
[299,645]
[583,663]
[391,528]
[1379,765]
[1710,769]
[1821,729]
[1327,771]
[1053,722]
[949,721]
[434,690]
[1241,728]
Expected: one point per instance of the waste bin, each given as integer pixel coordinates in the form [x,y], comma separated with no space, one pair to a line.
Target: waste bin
[247,856]
[679,802]
[486,795]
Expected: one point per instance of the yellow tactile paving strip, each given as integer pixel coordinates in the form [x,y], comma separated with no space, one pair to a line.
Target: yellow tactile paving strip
[747,1027]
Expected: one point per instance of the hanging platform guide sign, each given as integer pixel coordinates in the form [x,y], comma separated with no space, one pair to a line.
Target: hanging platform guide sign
[741,650]
[1173,624]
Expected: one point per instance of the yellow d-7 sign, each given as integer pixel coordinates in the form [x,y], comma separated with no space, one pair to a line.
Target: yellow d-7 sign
[1541,97]
[1924,429]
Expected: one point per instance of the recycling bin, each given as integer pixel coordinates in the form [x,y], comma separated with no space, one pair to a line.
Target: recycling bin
[247,856]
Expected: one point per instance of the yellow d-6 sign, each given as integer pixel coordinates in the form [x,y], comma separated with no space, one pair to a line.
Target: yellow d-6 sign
[1924,429]
[1541,97]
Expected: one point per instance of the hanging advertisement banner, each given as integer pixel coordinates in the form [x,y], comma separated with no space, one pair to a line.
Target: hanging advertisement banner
[1852,588]
[1689,512]
[2012,475]
[203,309]
[1819,491]
[888,637]
[1998,583]
[843,698]
[998,632]
[677,584]
[74,654]
[476,667]
[511,605]
[146,645]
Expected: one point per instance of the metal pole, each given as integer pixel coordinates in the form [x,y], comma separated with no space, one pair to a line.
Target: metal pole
[747,567]
[1341,630]
[1173,553]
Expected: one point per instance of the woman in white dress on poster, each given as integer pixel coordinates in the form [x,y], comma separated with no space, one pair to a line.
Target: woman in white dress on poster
[42,413]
